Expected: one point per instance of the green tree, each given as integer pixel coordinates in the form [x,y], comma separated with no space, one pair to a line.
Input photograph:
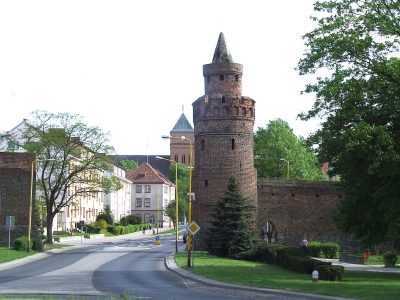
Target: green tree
[128,164]
[183,190]
[276,143]
[355,46]
[106,215]
[71,156]
[230,231]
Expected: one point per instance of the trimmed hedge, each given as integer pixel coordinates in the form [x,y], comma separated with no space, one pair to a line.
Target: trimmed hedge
[21,244]
[330,250]
[331,273]
[262,252]
[314,249]
[93,228]
[119,229]
[326,250]
[294,259]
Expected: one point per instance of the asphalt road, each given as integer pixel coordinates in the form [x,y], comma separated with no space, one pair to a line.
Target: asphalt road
[133,269]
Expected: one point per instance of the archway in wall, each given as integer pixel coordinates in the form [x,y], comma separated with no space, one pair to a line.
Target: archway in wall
[269,233]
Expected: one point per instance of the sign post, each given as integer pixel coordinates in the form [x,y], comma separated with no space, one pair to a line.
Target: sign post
[193,228]
[10,224]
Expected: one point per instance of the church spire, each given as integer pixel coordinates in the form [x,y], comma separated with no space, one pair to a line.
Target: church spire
[221,54]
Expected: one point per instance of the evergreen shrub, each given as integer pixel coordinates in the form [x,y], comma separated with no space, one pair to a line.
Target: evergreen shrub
[102,223]
[390,259]
[21,243]
[330,250]
[93,228]
[331,273]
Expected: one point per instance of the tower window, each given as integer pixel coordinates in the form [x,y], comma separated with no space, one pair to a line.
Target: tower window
[236,78]
[202,144]
[176,157]
[221,77]
[206,182]
[208,79]
[183,158]
[233,144]
[223,99]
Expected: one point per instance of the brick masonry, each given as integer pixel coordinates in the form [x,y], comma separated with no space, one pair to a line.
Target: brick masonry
[223,130]
[298,209]
[15,177]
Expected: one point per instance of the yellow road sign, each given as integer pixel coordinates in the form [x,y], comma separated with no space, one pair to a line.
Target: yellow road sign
[193,227]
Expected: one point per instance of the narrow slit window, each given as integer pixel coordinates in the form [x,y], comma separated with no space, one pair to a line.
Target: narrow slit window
[233,144]
[202,144]
[221,77]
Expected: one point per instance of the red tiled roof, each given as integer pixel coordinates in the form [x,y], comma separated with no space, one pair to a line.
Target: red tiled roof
[147,174]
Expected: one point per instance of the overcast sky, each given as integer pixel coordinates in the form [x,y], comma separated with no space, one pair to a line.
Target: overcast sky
[129,66]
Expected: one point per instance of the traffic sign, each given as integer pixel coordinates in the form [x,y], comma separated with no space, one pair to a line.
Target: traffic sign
[193,227]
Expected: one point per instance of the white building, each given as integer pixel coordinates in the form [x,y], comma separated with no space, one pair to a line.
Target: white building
[151,193]
[119,201]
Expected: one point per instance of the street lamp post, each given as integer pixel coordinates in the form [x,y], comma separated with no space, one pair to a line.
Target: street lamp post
[189,241]
[287,164]
[31,201]
[176,200]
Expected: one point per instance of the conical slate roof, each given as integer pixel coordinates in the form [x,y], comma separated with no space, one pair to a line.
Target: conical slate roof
[221,54]
[182,125]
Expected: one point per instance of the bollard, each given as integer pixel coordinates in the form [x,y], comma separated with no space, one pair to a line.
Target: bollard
[314,276]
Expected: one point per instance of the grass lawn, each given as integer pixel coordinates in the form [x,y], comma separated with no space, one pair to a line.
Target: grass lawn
[11,254]
[172,230]
[355,284]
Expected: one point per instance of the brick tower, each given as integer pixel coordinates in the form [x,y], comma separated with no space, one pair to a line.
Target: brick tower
[223,129]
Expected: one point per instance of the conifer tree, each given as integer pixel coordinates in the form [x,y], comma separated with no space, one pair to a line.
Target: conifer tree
[232,223]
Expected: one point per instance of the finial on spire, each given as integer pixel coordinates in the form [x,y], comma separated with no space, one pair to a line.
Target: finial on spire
[183,108]
[221,54]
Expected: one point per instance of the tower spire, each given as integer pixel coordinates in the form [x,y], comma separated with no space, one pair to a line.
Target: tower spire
[221,54]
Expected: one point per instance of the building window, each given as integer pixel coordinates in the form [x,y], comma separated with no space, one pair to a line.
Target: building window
[233,144]
[183,158]
[208,79]
[147,202]
[147,188]
[138,188]
[206,182]
[176,158]
[221,77]
[223,99]
[165,190]
[138,202]
[202,144]
[236,78]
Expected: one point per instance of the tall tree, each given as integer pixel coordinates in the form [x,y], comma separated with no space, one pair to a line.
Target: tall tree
[71,158]
[128,164]
[183,190]
[277,151]
[356,47]
[231,229]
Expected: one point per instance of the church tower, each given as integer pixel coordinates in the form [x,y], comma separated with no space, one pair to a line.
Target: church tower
[223,129]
